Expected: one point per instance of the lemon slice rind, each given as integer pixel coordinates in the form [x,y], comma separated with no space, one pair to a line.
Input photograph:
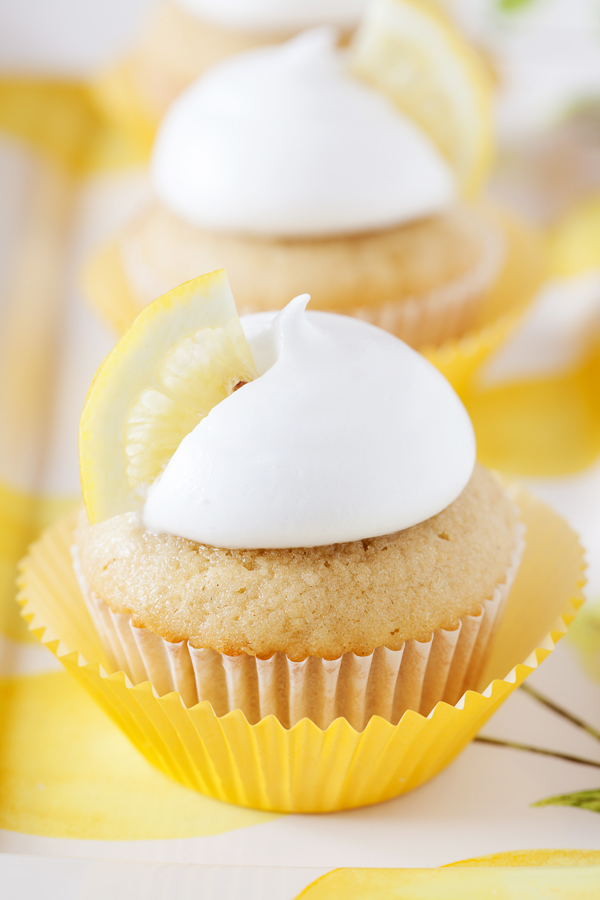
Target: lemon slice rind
[413,53]
[183,354]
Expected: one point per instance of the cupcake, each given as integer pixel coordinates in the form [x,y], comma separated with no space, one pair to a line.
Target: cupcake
[185,37]
[287,515]
[296,169]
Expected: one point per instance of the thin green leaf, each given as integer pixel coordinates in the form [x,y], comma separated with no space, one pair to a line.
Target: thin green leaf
[582,799]
[574,720]
[513,745]
[513,5]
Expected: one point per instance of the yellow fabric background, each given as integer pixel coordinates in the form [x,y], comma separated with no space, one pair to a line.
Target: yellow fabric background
[67,771]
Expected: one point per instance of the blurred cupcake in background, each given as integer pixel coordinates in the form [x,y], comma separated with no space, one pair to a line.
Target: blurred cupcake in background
[184,38]
[354,174]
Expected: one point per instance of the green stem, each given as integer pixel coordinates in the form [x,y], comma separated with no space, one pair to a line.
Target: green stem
[560,711]
[514,746]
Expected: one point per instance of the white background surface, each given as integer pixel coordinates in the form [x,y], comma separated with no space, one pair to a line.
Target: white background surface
[67,37]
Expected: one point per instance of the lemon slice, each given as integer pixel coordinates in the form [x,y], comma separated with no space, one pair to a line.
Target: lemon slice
[183,354]
[411,51]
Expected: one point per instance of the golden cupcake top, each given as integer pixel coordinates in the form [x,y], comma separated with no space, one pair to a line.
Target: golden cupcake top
[318,601]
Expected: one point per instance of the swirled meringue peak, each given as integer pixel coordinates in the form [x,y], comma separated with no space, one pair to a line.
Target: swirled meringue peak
[346,434]
[283,141]
[276,15]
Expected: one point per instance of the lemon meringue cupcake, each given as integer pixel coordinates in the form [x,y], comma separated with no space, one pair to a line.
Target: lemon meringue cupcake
[294,172]
[293,523]
[184,38]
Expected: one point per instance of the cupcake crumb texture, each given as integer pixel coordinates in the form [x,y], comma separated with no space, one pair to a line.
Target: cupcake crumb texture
[316,601]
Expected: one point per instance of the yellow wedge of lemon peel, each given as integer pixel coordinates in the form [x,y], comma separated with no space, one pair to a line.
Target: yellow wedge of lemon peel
[413,53]
[183,354]
[528,858]
[579,880]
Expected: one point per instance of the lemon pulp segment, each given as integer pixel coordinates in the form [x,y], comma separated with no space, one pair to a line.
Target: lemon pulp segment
[183,354]
[413,53]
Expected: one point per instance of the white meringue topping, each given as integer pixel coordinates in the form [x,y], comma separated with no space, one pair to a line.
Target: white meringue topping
[346,434]
[283,141]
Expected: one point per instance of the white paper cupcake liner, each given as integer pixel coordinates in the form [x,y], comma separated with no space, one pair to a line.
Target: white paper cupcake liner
[430,318]
[385,683]
[447,312]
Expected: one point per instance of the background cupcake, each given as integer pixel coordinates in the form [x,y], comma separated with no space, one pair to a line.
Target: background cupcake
[184,38]
[294,172]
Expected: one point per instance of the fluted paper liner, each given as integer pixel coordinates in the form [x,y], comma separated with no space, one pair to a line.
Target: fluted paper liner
[447,312]
[480,307]
[385,682]
[306,768]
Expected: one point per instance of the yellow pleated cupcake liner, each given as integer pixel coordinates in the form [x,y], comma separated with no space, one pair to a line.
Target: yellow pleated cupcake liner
[113,298]
[117,95]
[107,288]
[306,769]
